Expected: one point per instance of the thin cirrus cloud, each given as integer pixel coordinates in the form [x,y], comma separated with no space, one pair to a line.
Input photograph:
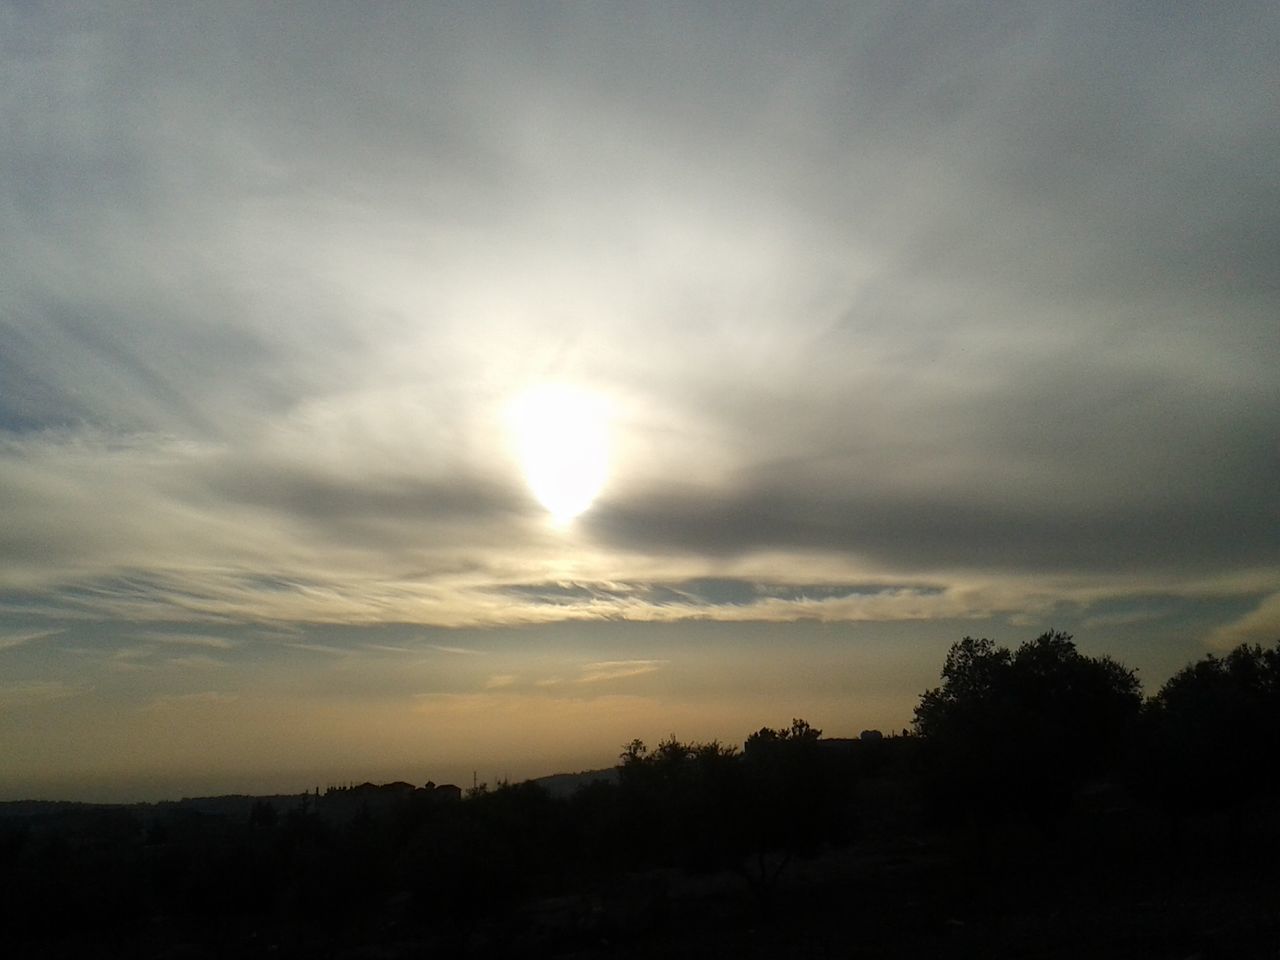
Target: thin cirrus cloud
[607,670]
[973,304]
[18,638]
[210,698]
[36,692]
[209,641]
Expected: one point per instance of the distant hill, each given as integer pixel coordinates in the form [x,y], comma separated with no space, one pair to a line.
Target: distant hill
[567,784]
[38,808]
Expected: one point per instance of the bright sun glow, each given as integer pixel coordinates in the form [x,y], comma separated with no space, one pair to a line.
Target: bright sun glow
[562,436]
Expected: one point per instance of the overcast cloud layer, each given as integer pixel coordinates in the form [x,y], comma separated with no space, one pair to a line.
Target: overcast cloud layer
[903,311]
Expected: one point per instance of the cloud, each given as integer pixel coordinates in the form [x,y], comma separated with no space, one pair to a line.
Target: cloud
[323,648]
[1260,626]
[30,693]
[18,638]
[500,680]
[191,640]
[197,661]
[177,701]
[979,303]
[941,529]
[618,669]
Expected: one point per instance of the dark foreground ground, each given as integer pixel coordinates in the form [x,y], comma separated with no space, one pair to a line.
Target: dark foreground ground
[1206,893]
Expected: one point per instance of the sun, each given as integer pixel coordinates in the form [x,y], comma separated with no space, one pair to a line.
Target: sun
[561,435]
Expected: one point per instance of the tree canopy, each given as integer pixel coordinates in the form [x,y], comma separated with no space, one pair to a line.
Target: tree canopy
[1018,730]
[1213,729]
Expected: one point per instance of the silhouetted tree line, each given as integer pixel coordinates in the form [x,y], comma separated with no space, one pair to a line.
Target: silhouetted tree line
[1040,739]
[707,807]
[1018,734]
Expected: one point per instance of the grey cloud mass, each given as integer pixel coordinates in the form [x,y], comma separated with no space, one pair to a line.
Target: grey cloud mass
[883,293]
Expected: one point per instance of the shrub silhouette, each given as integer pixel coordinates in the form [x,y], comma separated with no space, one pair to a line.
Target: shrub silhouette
[683,799]
[705,806]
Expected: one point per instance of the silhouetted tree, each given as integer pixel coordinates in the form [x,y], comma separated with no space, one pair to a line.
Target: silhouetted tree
[798,799]
[684,797]
[1213,733]
[705,806]
[1016,732]
[798,732]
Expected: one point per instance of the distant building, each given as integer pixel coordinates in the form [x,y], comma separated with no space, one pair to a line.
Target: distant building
[447,791]
[342,804]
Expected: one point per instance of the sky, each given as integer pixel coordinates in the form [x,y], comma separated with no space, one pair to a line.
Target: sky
[420,390]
